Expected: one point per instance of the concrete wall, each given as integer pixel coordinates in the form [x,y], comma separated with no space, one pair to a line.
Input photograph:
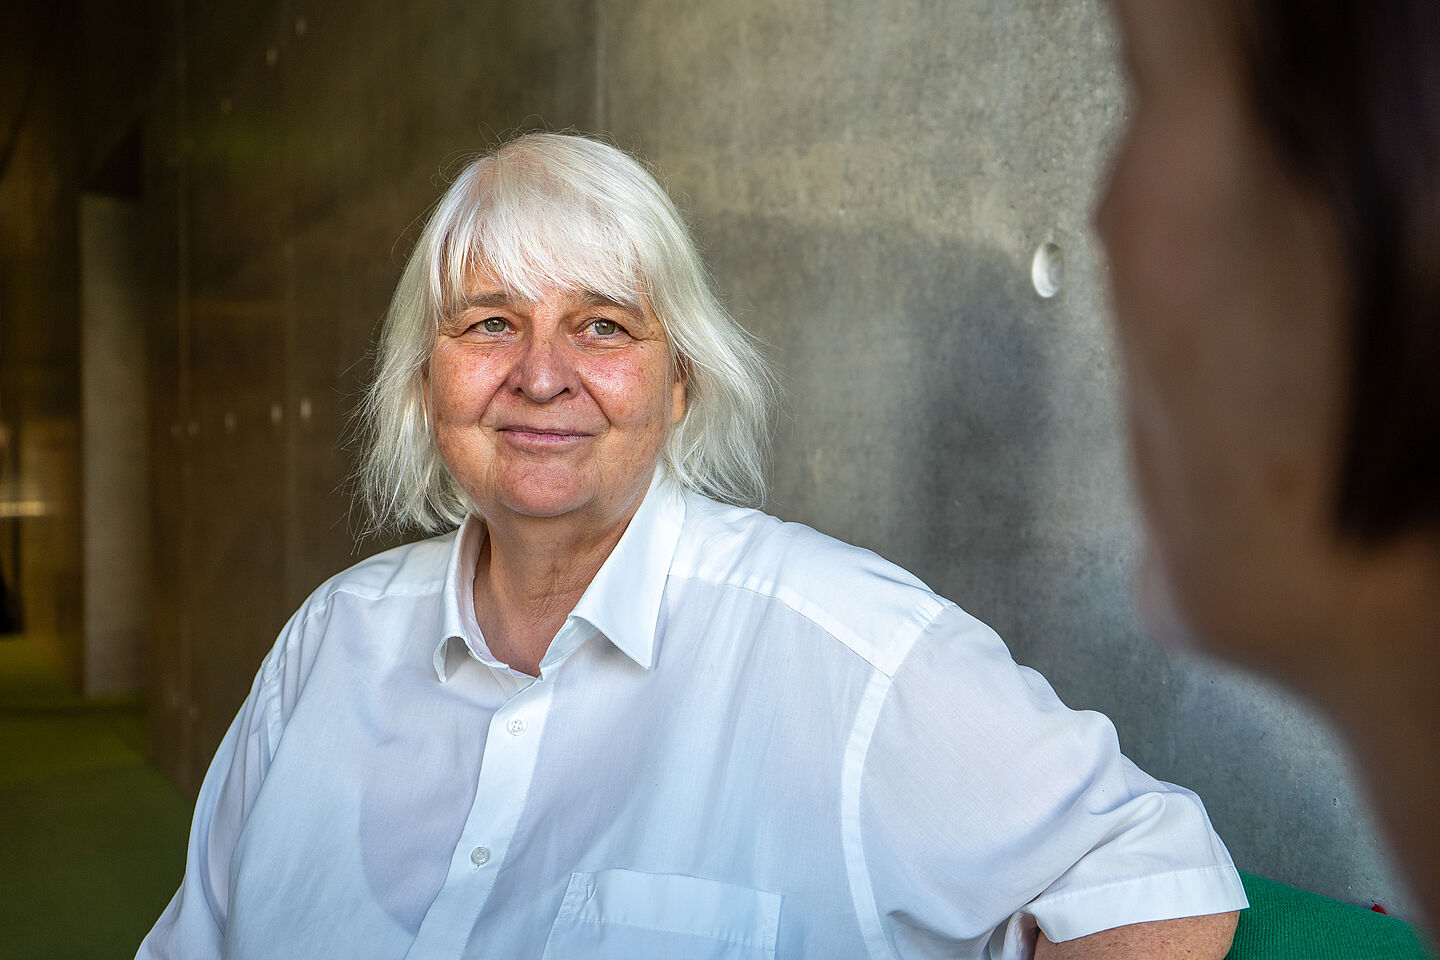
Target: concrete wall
[870,182]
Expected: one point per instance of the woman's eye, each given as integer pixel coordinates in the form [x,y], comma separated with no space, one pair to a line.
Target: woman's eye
[604,327]
[493,325]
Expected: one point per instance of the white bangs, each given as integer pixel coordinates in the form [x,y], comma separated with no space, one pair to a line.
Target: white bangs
[534,231]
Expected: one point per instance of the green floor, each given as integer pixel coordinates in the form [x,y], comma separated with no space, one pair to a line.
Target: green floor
[92,840]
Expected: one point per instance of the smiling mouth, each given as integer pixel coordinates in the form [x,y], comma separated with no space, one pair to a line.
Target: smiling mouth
[542,436]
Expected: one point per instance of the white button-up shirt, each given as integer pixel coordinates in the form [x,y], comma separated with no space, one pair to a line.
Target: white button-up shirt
[747,741]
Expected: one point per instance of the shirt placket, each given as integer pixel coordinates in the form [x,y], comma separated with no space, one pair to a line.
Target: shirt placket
[512,745]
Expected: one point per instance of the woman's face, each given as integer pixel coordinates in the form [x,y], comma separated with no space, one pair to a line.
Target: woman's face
[558,407]
[1228,297]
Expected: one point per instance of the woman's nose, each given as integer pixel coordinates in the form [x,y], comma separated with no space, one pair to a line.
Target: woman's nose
[544,370]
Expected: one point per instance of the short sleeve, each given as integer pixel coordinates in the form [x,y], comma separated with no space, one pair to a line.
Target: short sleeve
[192,927]
[988,808]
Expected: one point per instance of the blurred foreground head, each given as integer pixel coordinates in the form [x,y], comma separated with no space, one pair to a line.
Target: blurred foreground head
[1273,226]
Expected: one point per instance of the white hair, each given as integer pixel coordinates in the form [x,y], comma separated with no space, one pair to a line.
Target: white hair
[550,210]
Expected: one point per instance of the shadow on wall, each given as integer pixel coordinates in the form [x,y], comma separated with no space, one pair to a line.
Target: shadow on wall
[911,423]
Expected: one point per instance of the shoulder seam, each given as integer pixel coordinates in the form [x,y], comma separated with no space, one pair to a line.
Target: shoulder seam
[920,617]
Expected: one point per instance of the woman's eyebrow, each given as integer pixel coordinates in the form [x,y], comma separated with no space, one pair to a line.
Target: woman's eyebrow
[482,299]
[490,299]
[592,298]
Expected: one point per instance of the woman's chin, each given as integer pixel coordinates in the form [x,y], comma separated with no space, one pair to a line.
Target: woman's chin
[541,505]
[533,493]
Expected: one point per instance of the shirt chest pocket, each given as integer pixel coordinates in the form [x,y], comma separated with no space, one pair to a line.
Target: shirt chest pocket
[627,915]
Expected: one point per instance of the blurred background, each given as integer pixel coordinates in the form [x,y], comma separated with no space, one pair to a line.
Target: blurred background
[205,206]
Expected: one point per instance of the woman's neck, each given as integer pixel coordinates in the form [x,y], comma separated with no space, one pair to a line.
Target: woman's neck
[530,574]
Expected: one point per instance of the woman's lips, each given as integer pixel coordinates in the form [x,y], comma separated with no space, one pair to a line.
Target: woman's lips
[542,437]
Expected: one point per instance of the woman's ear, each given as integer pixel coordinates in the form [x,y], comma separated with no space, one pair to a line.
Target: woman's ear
[679,389]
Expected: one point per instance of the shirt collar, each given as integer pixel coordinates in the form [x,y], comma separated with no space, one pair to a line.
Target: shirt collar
[457,596]
[622,602]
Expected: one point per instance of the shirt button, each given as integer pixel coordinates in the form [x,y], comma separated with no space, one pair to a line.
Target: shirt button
[516,726]
[480,856]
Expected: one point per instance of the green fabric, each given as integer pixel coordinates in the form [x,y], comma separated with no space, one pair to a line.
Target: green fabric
[1284,923]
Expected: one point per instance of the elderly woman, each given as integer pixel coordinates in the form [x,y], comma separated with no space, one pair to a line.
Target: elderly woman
[1272,222]
[612,716]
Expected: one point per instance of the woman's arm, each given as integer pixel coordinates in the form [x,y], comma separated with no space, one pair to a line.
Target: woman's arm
[1187,938]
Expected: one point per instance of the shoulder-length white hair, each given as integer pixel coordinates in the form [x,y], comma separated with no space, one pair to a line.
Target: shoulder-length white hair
[563,211]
